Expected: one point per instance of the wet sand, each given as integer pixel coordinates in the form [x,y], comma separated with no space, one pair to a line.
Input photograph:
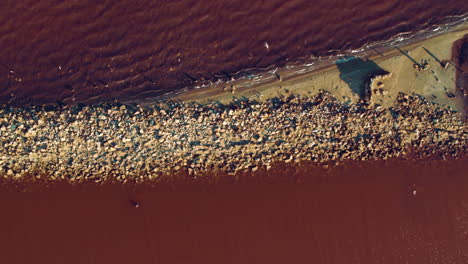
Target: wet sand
[399,212]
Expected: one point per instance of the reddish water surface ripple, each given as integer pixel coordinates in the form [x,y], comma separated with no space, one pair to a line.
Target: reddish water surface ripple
[401,212]
[88,51]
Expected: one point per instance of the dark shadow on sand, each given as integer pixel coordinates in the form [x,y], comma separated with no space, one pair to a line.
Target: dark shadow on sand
[357,74]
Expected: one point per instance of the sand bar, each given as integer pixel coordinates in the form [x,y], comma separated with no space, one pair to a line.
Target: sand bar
[361,109]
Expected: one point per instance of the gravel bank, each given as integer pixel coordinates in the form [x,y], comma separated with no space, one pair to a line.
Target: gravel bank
[130,142]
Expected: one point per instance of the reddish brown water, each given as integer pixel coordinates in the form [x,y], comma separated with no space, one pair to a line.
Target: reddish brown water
[402,212]
[87,51]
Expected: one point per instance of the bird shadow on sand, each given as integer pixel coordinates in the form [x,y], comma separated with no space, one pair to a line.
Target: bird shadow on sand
[357,73]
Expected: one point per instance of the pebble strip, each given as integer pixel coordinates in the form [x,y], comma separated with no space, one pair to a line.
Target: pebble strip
[121,142]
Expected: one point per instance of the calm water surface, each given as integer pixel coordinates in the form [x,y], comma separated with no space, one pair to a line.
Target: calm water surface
[401,212]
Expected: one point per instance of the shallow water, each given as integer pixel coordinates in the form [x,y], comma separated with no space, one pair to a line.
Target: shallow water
[88,51]
[396,212]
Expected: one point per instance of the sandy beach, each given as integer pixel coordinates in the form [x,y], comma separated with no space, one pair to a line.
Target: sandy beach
[434,83]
